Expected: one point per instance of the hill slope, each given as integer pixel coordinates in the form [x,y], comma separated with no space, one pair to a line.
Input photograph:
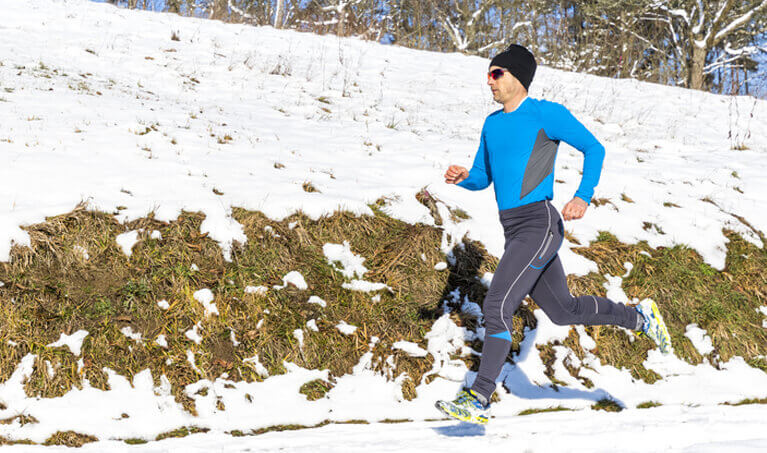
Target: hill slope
[248,126]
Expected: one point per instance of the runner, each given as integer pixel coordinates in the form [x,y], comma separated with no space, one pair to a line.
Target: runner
[517,150]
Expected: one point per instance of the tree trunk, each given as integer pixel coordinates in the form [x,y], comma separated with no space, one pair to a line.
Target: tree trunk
[698,61]
[278,13]
[340,28]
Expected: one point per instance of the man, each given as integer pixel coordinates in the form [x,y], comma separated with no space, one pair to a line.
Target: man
[516,153]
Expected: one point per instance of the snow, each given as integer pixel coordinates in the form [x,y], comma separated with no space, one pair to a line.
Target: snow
[127,240]
[190,359]
[298,334]
[663,144]
[161,341]
[706,429]
[317,300]
[205,297]
[163,304]
[193,333]
[346,329]
[256,289]
[294,278]
[260,369]
[128,332]
[410,348]
[312,325]
[584,339]
[81,250]
[699,339]
[351,263]
[365,286]
[441,266]
[74,341]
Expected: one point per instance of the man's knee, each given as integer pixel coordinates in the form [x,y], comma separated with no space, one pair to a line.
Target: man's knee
[564,312]
[562,318]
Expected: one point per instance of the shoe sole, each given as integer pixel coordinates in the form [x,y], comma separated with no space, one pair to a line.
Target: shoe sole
[445,407]
[665,337]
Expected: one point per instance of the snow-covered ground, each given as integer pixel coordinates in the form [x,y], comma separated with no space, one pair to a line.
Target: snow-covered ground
[98,104]
[705,429]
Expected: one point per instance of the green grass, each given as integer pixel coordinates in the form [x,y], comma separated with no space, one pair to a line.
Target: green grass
[56,290]
[70,439]
[648,404]
[181,432]
[748,401]
[606,404]
[687,290]
[546,409]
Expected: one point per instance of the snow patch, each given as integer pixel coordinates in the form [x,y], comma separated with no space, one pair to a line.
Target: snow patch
[127,240]
[351,263]
[410,348]
[74,342]
[699,339]
[205,297]
[256,289]
[295,278]
[346,329]
[193,333]
[317,300]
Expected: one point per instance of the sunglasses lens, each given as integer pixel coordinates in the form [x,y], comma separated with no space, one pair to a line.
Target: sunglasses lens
[495,74]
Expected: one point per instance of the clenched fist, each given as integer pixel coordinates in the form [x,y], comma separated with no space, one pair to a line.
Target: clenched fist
[574,209]
[456,174]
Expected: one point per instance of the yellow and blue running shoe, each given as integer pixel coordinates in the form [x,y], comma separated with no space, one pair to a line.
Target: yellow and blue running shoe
[654,327]
[466,407]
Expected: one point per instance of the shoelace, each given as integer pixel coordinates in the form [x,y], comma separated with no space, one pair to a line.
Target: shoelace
[465,397]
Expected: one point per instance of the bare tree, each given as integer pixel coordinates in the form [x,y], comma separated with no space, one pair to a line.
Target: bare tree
[697,27]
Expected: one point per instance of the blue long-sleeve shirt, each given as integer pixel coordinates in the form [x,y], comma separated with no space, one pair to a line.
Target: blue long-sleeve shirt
[517,151]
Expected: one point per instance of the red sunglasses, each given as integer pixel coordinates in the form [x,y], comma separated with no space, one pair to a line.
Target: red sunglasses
[496,74]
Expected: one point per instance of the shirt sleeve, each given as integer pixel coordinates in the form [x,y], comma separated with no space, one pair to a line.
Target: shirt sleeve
[562,125]
[480,175]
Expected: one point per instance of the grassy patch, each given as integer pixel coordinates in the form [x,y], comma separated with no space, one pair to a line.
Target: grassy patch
[181,432]
[315,389]
[687,290]
[749,401]
[546,409]
[56,289]
[606,404]
[70,439]
[279,428]
[648,404]
[6,441]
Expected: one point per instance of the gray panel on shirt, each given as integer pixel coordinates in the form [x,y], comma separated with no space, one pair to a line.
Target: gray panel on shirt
[540,164]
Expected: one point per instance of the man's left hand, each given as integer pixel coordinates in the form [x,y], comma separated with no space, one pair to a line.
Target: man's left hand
[574,209]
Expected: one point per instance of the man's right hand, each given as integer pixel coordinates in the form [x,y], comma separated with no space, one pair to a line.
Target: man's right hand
[456,174]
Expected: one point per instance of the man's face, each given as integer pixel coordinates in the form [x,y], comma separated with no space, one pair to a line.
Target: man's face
[505,87]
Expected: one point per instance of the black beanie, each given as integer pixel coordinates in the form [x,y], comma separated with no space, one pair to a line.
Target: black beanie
[519,61]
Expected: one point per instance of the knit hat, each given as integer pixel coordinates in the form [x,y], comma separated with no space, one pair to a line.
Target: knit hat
[519,61]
